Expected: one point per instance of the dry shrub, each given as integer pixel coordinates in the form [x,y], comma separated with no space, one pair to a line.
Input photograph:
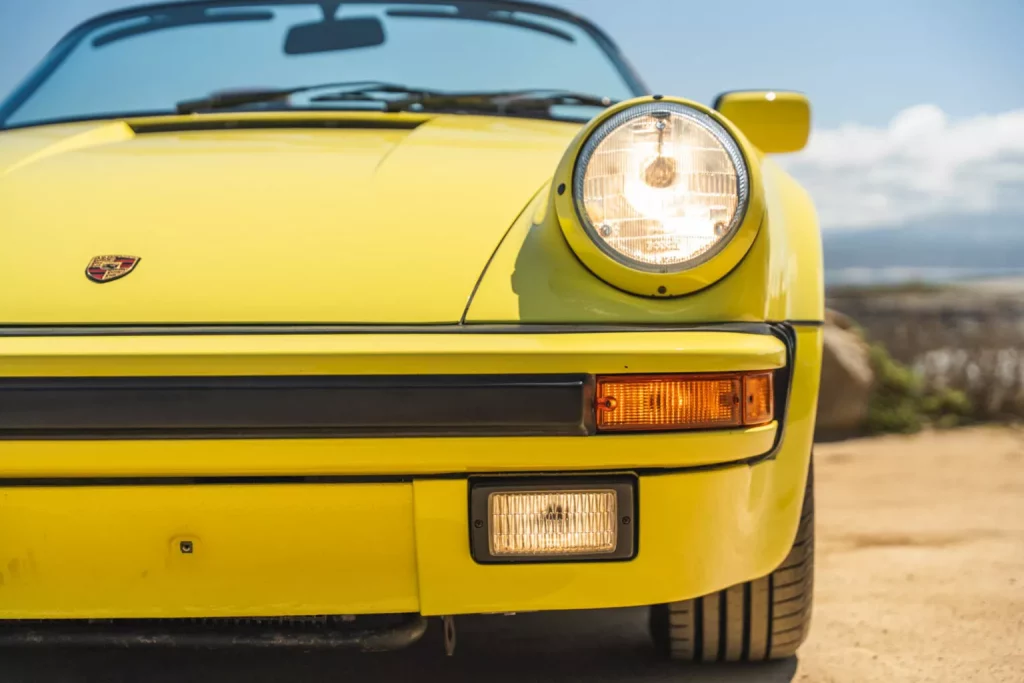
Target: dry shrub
[901,401]
[992,379]
[949,340]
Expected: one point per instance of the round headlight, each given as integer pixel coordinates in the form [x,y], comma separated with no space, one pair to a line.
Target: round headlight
[661,187]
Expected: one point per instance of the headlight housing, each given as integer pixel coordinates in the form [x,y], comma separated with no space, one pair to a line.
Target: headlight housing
[660,191]
[661,187]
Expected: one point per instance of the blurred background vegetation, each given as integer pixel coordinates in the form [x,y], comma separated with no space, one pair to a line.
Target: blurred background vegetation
[939,355]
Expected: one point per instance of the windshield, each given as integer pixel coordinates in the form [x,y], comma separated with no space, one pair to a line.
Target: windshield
[145,61]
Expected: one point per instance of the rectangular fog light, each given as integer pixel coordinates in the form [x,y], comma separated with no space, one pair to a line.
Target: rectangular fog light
[553,521]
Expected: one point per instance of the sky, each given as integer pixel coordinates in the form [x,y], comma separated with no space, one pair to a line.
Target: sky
[918,104]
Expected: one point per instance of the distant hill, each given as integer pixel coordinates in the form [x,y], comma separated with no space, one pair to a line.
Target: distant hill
[946,248]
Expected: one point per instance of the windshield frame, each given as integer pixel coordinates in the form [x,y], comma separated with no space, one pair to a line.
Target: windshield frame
[66,45]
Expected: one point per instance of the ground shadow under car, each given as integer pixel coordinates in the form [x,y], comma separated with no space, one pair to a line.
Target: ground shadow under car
[590,645]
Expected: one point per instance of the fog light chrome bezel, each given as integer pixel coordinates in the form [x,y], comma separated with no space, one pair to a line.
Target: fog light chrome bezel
[480,523]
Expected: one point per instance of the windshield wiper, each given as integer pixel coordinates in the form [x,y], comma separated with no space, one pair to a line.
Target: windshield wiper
[394,97]
[239,98]
[501,102]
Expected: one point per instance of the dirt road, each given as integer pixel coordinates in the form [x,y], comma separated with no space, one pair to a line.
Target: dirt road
[920,578]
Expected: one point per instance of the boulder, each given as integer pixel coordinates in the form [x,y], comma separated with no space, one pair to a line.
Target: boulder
[840,320]
[846,379]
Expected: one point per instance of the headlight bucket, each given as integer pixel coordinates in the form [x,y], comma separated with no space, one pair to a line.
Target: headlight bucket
[714,257]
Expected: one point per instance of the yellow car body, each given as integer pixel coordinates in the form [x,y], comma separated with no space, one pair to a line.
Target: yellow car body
[373,245]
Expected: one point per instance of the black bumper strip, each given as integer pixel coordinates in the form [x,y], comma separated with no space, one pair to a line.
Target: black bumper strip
[783,387]
[295,406]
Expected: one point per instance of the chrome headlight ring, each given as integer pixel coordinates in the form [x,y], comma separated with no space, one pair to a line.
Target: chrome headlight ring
[661,187]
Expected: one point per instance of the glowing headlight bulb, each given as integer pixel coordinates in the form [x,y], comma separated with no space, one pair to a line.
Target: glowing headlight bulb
[660,172]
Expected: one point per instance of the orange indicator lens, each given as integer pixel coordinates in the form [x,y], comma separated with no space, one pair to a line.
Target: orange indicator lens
[758,402]
[667,402]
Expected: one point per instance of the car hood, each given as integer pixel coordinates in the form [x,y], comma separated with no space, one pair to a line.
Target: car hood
[363,219]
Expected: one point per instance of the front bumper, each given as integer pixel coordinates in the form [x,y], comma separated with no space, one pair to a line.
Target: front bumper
[276,527]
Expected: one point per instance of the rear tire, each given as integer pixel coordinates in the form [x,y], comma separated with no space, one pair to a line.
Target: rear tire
[759,620]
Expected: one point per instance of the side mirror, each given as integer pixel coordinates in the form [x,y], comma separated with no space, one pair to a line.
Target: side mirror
[334,35]
[775,121]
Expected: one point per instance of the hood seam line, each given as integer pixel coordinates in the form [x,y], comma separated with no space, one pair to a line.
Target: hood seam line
[490,259]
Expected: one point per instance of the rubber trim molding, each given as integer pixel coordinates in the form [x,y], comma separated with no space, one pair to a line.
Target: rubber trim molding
[299,406]
[783,331]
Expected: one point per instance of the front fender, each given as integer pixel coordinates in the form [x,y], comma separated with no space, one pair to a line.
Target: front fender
[534,276]
[795,284]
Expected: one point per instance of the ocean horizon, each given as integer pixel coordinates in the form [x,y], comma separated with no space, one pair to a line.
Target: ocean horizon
[896,275]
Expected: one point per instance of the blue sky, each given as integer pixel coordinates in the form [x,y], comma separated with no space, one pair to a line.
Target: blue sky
[918,104]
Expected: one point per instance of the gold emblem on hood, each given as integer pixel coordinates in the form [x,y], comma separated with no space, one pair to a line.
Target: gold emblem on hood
[107,268]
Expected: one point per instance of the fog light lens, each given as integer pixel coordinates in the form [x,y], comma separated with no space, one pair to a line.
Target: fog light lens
[547,523]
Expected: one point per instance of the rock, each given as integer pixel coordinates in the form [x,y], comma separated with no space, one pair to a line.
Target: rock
[846,379]
[840,320]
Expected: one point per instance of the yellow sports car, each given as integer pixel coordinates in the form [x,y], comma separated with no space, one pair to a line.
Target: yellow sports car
[323,318]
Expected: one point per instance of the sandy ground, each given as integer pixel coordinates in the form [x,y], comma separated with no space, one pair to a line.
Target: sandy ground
[920,559]
[1012,285]
[920,577]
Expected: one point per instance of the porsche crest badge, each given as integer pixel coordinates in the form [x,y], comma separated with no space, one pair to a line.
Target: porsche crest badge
[108,268]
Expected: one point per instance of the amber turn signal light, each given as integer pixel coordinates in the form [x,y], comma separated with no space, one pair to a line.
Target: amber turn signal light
[667,402]
[758,400]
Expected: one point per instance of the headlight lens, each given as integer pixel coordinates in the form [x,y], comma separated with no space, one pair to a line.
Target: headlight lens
[661,187]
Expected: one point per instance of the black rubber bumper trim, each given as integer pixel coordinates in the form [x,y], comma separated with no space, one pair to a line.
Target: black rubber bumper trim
[783,331]
[295,406]
[783,377]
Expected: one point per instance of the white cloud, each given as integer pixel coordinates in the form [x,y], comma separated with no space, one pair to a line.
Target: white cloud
[920,165]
